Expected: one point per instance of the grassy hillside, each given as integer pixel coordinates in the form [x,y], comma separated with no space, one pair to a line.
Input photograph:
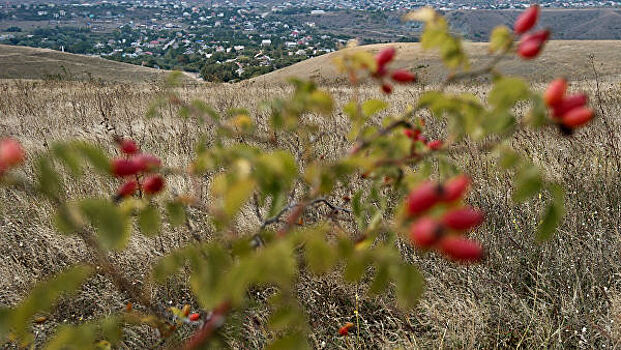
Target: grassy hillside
[591,23]
[18,62]
[568,57]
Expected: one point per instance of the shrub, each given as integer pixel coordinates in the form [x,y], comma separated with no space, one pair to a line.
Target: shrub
[402,198]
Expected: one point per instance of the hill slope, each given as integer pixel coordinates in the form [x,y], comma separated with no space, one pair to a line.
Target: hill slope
[570,57]
[19,62]
[592,23]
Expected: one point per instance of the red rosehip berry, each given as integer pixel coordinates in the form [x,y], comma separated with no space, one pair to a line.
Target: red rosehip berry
[194,317]
[569,103]
[127,189]
[385,56]
[461,249]
[526,20]
[387,88]
[128,146]
[412,133]
[153,184]
[577,117]
[555,92]
[455,188]
[541,35]
[124,167]
[422,139]
[531,44]
[381,72]
[403,76]
[423,197]
[146,162]
[344,331]
[425,232]
[435,145]
[463,219]
[11,153]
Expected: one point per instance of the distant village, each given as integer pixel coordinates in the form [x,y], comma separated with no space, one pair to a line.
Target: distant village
[218,40]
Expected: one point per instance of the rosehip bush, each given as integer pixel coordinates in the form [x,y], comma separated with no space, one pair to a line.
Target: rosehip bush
[398,197]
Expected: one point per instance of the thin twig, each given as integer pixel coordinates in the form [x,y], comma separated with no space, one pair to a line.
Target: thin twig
[276,218]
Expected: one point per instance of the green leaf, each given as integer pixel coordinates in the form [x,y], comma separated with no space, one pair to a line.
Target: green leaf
[69,157]
[74,338]
[113,226]
[237,195]
[176,213]
[553,214]
[356,266]
[537,115]
[373,106]
[410,286]
[172,262]
[501,39]
[5,323]
[67,219]
[285,317]
[507,157]
[528,183]
[381,280]
[205,109]
[320,256]
[321,102]
[112,331]
[43,296]
[507,91]
[49,181]
[437,35]
[351,110]
[95,156]
[149,220]
[275,172]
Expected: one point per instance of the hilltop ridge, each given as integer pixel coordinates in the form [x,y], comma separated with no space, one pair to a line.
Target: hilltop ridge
[568,56]
[20,62]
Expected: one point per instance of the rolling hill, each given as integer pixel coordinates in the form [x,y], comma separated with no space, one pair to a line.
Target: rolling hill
[566,24]
[19,62]
[568,56]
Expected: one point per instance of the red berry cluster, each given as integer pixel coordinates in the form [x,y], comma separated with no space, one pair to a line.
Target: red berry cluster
[401,76]
[569,111]
[133,164]
[11,154]
[445,233]
[530,44]
[415,134]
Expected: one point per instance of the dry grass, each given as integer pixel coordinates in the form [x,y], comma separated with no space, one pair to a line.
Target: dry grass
[564,294]
[568,57]
[20,62]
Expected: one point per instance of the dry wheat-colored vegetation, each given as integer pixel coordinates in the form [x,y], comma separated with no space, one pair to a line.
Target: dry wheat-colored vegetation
[21,62]
[566,57]
[562,294]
